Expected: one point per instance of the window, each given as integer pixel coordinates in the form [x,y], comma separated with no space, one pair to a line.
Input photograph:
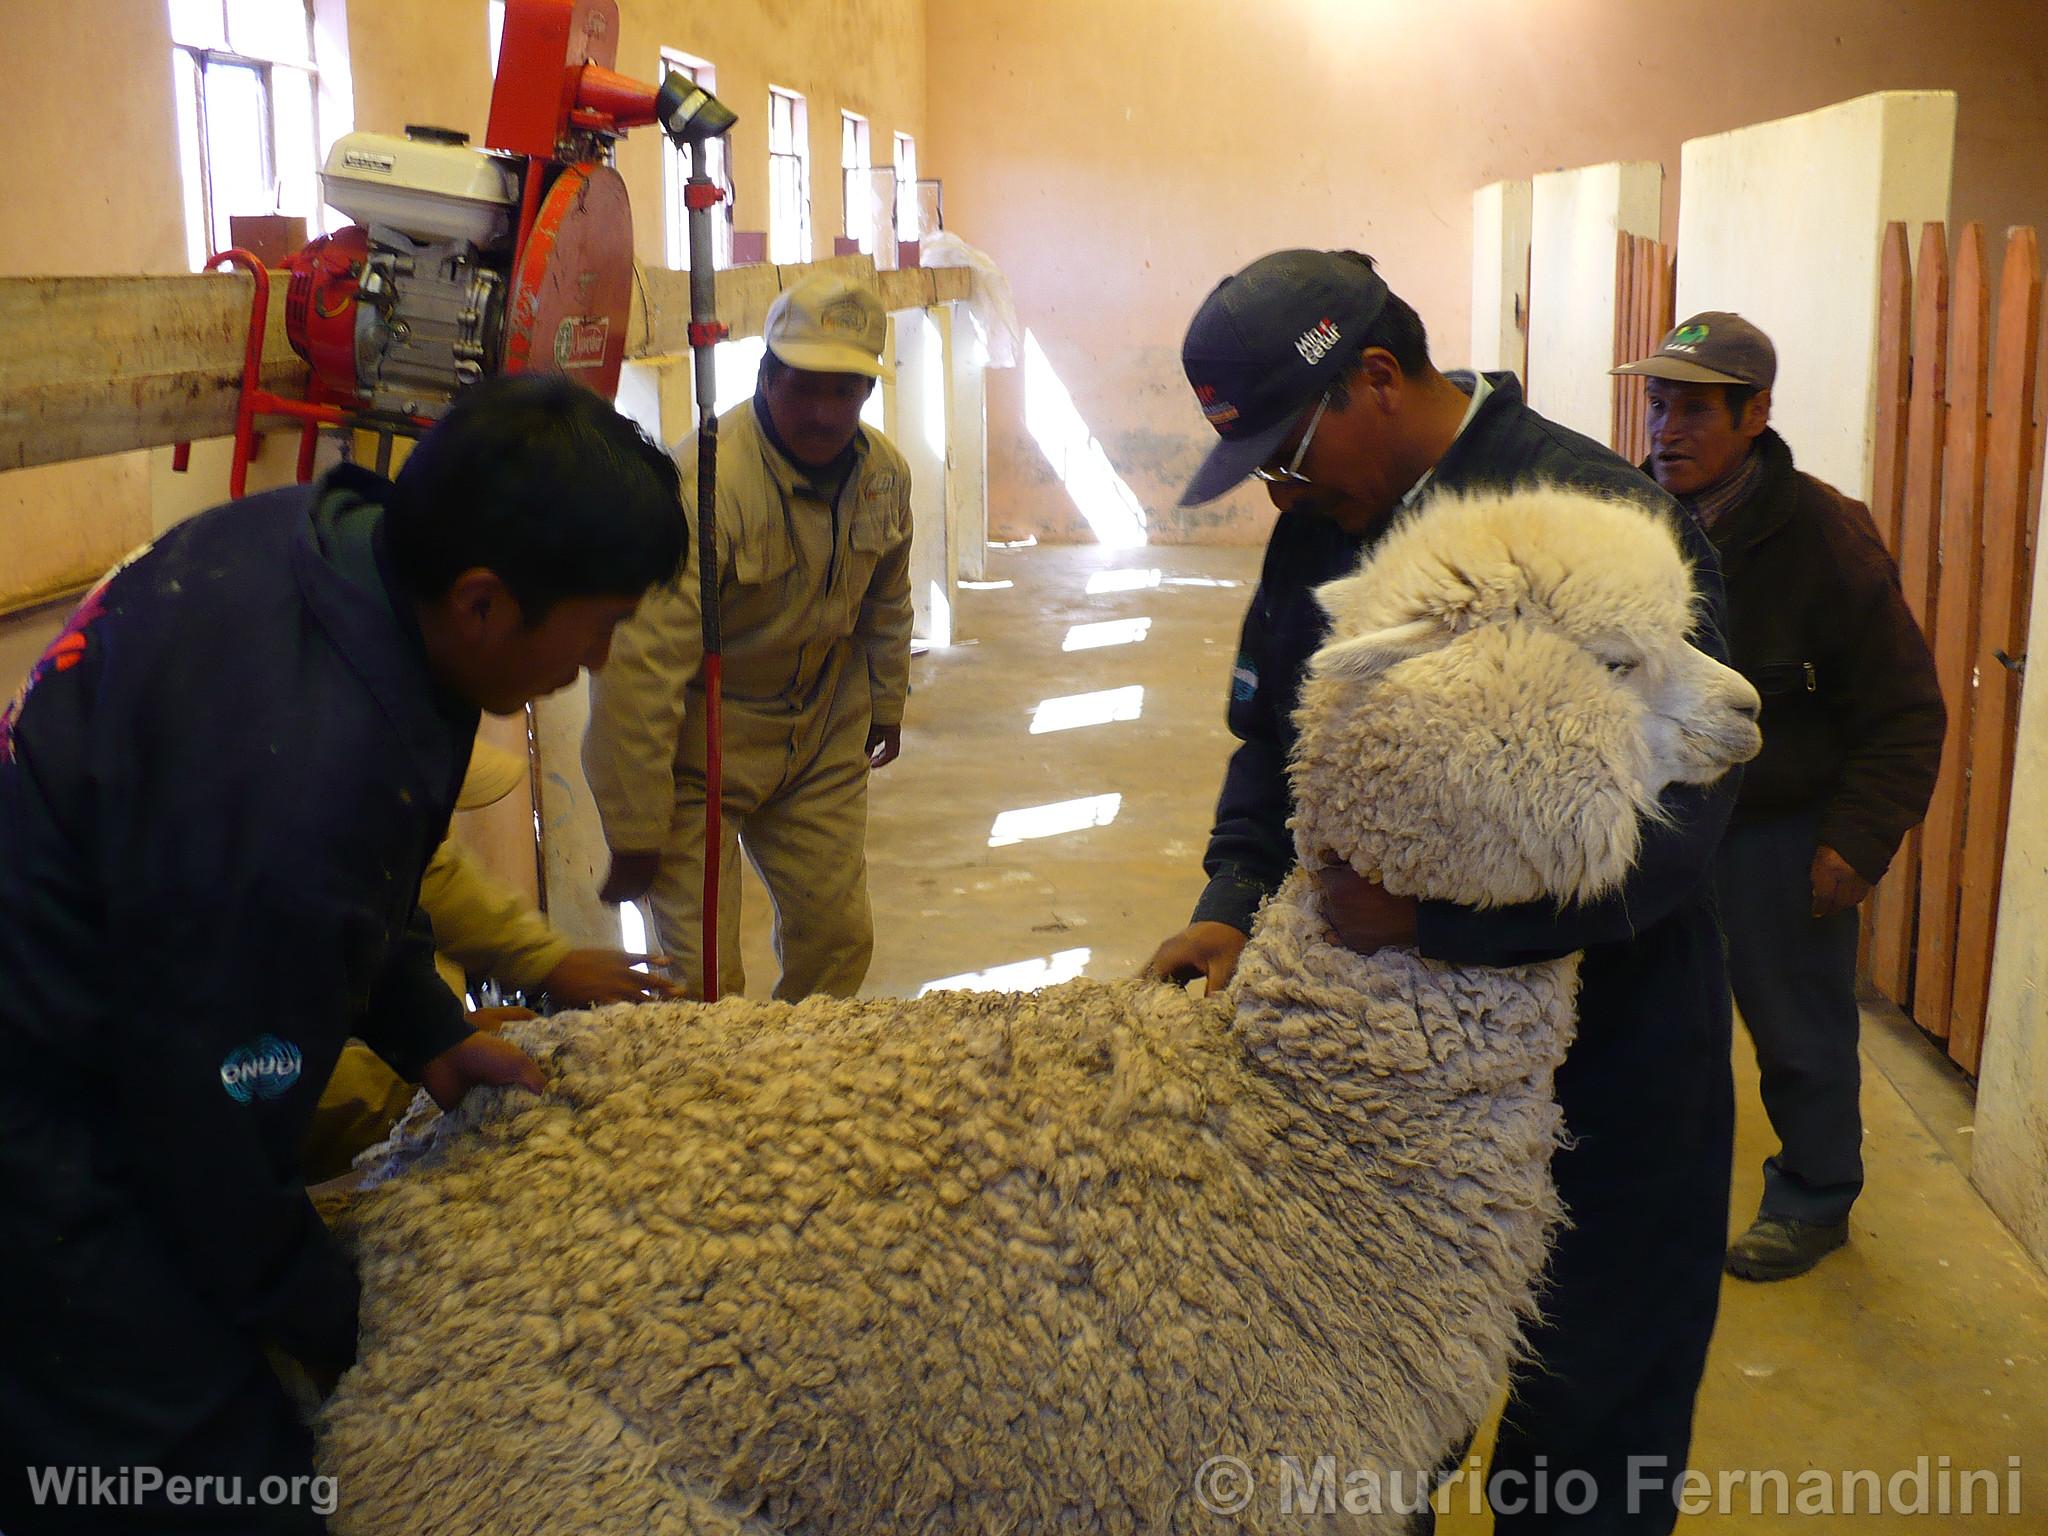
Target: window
[856,195]
[246,90]
[789,178]
[906,187]
[494,20]
[676,166]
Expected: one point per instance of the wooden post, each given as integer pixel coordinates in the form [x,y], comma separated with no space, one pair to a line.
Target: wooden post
[1891,950]
[1888,476]
[1894,381]
[2008,469]
[1624,341]
[1955,637]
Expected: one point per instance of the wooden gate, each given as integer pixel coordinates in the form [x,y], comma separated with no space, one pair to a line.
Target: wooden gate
[1645,289]
[1956,492]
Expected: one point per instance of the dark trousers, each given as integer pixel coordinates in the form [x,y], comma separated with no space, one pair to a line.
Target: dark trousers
[1603,1408]
[1794,978]
[111,1362]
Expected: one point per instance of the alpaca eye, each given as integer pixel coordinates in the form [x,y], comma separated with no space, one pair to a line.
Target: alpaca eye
[1621,668]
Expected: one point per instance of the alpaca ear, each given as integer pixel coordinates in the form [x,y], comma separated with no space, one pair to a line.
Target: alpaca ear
[1367,655]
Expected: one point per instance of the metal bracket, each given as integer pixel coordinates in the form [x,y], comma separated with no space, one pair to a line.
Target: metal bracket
[2017,665]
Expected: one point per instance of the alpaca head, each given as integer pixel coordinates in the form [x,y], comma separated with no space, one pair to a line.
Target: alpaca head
[1507,689]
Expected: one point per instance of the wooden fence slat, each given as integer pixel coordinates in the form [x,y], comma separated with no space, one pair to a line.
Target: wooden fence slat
[1888,477]
[1645,279]
[1624,339]
[1646,343]
[1894,379]
[1891,950]
[1961,562]
[2008,470]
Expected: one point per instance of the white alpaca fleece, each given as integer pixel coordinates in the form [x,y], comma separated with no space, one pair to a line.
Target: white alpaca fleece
[1508,688]
[1009,1263]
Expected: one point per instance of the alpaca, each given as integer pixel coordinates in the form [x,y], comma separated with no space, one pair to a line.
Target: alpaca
[1108,1257]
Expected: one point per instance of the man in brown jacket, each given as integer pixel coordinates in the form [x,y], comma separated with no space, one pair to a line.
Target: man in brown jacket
[1852,723]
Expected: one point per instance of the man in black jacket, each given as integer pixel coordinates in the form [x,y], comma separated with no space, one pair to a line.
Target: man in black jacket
[1318,380]
[218,791]
[1852,726]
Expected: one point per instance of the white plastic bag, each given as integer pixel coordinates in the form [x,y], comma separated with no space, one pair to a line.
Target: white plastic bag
[994,310]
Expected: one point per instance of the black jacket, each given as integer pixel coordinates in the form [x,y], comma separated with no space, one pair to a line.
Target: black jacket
[1646,1089]
[1853,716]
[217,794]
[1250,850]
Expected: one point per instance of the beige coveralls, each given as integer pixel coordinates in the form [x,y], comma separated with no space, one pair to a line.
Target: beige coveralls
[816,614]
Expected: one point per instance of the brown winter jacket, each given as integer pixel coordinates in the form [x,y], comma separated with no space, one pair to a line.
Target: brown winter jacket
[1853,715]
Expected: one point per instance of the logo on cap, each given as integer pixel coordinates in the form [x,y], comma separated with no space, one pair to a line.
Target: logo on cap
[1220,412]
[1314,343]
[846,315]
[1686,338]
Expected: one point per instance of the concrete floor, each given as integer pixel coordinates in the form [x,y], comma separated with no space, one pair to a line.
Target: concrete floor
[1927,1337]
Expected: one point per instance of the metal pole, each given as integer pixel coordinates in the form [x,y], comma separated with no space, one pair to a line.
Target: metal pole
[701,196]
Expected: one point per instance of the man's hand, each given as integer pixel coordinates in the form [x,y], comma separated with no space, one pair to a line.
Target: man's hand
[630,877]
[1361,913]
[481,1061]
[884,742]
[1208,950]
[1836,885]
[587,977]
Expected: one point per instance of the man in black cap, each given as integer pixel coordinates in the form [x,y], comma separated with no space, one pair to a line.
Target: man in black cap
[1852,725]
[1318,381]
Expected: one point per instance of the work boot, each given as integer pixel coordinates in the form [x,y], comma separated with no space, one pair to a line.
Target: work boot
[1779,1247]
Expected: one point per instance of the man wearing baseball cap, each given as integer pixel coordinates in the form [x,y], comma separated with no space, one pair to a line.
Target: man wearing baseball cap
[1317,379]
[814,549]
[1852,723]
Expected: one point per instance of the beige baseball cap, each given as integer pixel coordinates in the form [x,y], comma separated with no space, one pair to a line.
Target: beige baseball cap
[830,323]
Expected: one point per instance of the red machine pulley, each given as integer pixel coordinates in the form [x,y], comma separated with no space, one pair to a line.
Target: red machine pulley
[320,306]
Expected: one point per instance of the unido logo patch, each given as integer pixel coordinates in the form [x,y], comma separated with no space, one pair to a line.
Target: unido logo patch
[264,1070]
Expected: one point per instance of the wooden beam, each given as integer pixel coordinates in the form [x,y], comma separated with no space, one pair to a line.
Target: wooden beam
[93,365]
[96,365]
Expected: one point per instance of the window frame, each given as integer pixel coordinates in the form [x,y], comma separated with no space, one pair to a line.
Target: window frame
[906,185]
[675,174]
[856,160]
[206,228]
[786,245]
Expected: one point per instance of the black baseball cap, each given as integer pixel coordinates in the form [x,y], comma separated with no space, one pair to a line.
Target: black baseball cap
[1264,347]
[1711,348]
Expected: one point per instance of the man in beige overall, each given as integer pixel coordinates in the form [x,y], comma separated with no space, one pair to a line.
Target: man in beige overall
[814,559]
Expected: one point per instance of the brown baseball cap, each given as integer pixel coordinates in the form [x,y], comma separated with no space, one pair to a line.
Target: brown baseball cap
[1711,348]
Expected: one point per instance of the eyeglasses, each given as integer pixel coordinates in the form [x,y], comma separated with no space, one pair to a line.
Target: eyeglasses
[1292,474]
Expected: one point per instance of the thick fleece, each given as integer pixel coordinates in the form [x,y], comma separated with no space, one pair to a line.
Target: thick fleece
[1010,1263]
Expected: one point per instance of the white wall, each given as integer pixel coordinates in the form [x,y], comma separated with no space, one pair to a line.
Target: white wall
[916,424]
[1500,276]
[1574,219]
[1781,223]
[2009,1157]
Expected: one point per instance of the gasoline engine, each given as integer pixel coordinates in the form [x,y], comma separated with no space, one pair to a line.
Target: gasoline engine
[464,262]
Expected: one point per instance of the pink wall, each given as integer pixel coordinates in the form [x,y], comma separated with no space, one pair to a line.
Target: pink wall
[1118,159]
